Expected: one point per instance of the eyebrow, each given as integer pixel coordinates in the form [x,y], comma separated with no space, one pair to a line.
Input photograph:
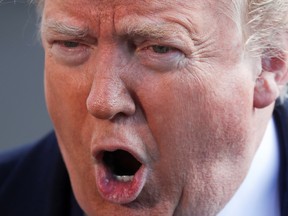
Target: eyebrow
[130,29]
[62,28]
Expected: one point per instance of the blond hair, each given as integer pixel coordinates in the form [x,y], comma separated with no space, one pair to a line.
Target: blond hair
[267,26]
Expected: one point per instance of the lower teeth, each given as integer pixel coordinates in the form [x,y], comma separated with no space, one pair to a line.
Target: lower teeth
[124,178]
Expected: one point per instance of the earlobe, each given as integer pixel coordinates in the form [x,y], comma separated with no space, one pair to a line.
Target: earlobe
[268,84]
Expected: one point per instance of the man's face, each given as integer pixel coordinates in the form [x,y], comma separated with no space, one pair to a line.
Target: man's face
[152,103]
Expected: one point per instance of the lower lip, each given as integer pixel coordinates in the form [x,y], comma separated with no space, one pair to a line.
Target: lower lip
[116,191]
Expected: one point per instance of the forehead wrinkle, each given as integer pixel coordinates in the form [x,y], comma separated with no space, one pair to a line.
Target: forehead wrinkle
[63,28]
[150,30]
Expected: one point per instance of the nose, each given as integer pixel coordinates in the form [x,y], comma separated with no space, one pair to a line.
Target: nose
[109,97]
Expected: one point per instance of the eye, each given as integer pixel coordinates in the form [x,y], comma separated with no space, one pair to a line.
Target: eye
[70,44]
[159,57]
[70,52]
[161,49]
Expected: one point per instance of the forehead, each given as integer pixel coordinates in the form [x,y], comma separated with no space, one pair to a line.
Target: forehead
[189,13]
[92,7]
[105,4]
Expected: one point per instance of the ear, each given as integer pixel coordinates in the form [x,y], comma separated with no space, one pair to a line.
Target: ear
[273,77]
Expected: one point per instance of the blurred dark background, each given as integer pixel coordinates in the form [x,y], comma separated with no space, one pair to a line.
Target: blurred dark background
[23,115]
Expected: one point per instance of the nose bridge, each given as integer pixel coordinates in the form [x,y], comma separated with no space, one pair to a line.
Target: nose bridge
[109,59]
[109,95]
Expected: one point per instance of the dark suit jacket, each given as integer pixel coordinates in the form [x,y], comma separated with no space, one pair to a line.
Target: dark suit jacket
[34,180]
[281,119]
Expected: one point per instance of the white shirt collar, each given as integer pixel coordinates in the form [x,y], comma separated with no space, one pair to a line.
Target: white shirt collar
[258,195]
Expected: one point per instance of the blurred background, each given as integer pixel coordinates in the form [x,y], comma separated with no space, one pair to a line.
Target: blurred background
[23,115]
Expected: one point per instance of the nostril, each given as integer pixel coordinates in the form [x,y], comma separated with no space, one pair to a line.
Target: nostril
[121,163]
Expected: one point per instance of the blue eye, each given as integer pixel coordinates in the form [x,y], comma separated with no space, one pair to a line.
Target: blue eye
[161,49]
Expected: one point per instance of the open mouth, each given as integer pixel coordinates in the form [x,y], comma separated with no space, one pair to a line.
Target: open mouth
[121,164]
[120,177]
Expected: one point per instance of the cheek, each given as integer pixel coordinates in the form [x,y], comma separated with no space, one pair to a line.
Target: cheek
[183,113]
[199,125]
[66,94]
[196,132]
[66,91]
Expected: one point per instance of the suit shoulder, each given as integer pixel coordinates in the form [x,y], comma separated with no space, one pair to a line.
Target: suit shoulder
[31,155]
[34,180]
